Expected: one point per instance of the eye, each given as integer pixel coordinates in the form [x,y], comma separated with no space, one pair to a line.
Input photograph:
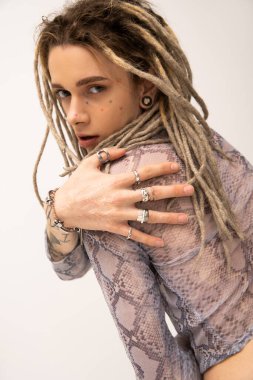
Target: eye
[100,89]
[61,94]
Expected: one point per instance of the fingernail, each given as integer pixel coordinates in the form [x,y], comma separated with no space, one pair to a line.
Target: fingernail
[188,189]
[183,218]
[174,166]
[160,243]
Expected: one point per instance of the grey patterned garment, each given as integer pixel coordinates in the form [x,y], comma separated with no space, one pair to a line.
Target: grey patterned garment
[211,310]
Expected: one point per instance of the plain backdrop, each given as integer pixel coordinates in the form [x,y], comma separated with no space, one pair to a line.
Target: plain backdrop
[53,329]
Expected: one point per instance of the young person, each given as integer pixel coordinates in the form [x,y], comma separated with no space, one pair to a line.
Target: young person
[111,74]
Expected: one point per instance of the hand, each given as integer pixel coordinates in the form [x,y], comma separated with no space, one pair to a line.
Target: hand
[93,200]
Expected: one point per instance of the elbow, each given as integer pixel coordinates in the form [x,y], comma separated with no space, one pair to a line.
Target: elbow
[69,275]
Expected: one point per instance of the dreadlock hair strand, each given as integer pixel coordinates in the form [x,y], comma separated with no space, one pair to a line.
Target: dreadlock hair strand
[134,37]
[160,25]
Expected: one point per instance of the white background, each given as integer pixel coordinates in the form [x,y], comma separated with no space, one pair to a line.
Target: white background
[51,329]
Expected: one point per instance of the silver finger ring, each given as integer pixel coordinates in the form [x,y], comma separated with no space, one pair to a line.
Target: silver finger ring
[145,195]
[101,159]
[137,177]
[129,233]
[143,216]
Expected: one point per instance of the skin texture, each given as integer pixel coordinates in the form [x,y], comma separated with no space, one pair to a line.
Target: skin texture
[236,367]
[98,108]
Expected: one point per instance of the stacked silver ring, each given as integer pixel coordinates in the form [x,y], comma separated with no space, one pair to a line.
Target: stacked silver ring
[129,233]
[145,195]
[143,216]
[137,177]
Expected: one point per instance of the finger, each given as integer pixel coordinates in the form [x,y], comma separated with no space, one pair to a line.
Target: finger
[163,192]
[147,172]
[171,191]
[167,217]
[114,154]
[154,216]
[155,193]
[139,236]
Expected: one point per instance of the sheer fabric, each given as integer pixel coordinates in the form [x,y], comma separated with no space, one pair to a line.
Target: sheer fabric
[211,310]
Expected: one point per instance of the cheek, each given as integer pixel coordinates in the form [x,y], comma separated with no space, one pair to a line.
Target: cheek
[112,110]
[116,112]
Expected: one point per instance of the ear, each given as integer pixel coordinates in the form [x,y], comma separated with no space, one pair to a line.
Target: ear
[147,88]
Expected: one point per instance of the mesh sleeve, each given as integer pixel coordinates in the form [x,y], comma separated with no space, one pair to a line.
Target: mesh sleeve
[75,265]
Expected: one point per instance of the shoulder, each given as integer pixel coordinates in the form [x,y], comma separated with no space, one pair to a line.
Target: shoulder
[150,154]
[239,160]
[144,155]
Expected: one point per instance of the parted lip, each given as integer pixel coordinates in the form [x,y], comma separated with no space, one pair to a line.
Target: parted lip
[79,136]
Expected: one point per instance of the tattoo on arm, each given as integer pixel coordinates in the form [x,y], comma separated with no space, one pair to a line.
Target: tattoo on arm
[56,256]
[53,240]
[56,241]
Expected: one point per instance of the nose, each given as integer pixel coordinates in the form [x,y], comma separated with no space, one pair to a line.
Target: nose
[76,113]
[72,118]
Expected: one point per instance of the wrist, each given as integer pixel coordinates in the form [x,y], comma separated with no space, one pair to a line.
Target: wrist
[56,222]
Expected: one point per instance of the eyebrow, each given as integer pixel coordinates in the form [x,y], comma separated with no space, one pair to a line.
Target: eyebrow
[83,81]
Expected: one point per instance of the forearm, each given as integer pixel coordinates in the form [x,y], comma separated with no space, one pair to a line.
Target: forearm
[73,265]
[61,243]
[65,251]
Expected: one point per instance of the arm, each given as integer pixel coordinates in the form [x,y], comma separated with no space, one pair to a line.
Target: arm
[65,251]
[202,300]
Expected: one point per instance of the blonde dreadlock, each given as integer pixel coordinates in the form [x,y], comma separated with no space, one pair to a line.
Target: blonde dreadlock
[151,46]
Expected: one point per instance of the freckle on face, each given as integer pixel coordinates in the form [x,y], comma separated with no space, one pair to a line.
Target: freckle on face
[87,102]
[101,109]
[121,108]
[110,101]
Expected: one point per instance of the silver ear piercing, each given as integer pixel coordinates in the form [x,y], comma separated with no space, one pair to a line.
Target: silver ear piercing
[147,102]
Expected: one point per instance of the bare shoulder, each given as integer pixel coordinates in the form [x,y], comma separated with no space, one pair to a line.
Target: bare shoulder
[236,367]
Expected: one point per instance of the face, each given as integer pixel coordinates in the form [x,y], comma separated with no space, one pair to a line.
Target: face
[97,96]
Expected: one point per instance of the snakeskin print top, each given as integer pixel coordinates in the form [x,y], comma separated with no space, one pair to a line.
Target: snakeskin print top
[210,307]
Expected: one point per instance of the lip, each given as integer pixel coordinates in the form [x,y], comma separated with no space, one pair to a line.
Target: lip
[88,142]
